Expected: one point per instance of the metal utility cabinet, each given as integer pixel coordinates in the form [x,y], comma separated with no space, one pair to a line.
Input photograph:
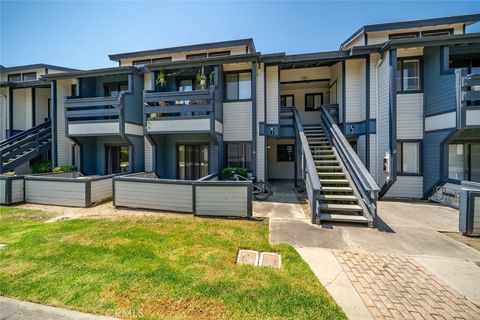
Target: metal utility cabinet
[470,209]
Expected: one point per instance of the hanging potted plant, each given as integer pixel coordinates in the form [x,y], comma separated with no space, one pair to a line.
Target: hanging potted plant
[161,81]
[202,79]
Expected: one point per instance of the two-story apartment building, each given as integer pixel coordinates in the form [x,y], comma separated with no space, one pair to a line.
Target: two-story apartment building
[403,94]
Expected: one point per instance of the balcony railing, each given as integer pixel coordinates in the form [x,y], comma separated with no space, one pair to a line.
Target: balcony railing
[94,115]
[468,99]
[178,103]
[180,111]
[93,108]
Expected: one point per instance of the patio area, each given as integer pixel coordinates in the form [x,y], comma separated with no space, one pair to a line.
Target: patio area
[406,267]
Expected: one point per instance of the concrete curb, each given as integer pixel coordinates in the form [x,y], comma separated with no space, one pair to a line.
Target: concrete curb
[12,309]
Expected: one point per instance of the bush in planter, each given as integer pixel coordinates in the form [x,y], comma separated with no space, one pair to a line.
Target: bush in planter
[227,173]
[10,174]
[42,167]
[64,169]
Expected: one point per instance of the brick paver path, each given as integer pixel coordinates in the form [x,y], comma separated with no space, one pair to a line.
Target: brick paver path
[397,287]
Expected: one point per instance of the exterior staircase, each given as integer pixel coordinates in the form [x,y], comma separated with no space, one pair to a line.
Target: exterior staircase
[25,146]
[337,199]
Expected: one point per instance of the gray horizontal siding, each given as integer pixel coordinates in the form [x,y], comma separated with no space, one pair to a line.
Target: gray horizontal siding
[151,195]
[17,191]
[3,193]
[101,190]
[221,200]
[60,193]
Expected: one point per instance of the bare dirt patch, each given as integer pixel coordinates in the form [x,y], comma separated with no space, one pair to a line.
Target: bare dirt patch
[472,242]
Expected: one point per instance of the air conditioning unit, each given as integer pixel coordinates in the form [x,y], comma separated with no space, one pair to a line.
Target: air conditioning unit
[469,222]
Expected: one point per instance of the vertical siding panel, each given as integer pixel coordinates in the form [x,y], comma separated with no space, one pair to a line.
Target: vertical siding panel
[383,133]
[374,58]
[272,94]
[148,155]
[336,77]
[361,148]
[355,90]
[373,156]
[260,154]
[3,112]
[406,187]
[64,151]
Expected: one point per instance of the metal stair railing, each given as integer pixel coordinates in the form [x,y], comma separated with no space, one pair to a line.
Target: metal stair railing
[24,146]
[309,171]
[361,178]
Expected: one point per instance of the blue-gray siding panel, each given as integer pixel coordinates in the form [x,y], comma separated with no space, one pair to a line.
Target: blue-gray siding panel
[138,153]
[439,89]
[432,154]
[134,102]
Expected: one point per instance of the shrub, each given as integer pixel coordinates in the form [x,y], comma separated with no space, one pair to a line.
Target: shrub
[10,173]
[42,167]
[227,173]
[66,168]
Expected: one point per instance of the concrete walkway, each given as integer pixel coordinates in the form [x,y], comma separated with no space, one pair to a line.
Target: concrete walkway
[11,309]
[406,231]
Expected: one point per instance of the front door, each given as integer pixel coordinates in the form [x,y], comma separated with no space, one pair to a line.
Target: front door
[116,159]
[192,161]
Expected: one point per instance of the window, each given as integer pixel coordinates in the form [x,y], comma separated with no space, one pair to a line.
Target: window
[192,161]
[14,77]
[409,35]
[285,152]
[116,159]
[313,101]
[287,100]
[456,161]
[115,88]
[160,60]
[239,155]
[238,86]
[408,157]
[196,56]
[431,33]
[219,54]
[408,75]
[464,161]
[31,76]
[141,63]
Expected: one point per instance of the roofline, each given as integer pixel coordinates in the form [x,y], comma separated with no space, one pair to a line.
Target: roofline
[35,66]
[26,84]
[194,47]
[91,73]
[468,19]
[247,57]
[432,41]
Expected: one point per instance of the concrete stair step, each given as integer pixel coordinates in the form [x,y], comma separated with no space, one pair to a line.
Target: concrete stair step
[340,207]
[324,156]
[320,168]
[334,181]
[338,197]
[320,162]
[331,174]
[336,189]
[342,218]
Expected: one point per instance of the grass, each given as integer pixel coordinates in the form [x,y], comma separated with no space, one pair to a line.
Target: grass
[155,269]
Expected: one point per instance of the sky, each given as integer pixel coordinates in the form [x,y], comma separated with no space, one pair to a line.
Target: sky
[81,34]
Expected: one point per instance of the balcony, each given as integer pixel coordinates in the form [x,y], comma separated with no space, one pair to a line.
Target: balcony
[469,104]
[94,115]
[181,112]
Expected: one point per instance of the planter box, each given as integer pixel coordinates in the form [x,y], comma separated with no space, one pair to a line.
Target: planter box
[70,189]
[11,189]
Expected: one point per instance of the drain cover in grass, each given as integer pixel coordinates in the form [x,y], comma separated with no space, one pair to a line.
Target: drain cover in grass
[248,257]
[270,259]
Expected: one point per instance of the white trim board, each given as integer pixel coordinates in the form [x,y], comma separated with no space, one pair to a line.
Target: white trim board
[441,121]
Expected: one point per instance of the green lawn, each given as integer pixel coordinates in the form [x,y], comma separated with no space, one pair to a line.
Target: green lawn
[171,268]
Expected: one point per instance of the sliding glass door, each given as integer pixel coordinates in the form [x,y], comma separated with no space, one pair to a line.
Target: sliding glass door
[116,159]
[464,161]
[192,161]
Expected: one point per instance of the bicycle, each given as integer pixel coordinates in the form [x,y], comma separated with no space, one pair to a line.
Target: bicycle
[261,190]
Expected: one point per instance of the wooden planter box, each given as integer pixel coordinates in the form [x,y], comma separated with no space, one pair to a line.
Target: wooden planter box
[11,189]
[69,189]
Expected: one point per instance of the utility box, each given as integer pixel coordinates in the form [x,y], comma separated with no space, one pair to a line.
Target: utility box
[469,223]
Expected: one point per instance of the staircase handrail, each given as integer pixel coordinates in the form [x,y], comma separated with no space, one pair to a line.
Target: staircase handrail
[309,173]
[362,179]
[25,133]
